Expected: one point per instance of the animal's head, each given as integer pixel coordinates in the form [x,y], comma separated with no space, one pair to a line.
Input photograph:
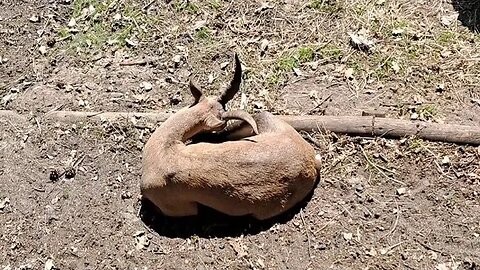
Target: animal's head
[213,109]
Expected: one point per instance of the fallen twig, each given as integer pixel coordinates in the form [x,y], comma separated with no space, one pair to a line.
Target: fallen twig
[351,125]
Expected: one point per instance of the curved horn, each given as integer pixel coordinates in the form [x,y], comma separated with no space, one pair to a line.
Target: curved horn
[241,115]
[196,93]
[230,92]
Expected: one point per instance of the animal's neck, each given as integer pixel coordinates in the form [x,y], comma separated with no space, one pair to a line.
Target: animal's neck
[181,126]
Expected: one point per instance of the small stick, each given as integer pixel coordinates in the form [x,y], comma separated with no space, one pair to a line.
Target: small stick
[394,224]
[351,125]
[306,231]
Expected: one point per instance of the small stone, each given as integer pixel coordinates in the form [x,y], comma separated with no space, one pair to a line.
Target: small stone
[401,191]
[117,17]
[49,265]
[347,236]
[42,50]
[34,19]
[446,160]
[414,116]
[264,45]
[146,86]
[349,73]
[223,65]
[177,58]
[72,23]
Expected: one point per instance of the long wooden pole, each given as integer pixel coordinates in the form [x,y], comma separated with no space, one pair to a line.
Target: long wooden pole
[351,125]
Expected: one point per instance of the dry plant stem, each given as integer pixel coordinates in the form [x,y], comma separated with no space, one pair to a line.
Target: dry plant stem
[378,169]
[306,231]
[351,125]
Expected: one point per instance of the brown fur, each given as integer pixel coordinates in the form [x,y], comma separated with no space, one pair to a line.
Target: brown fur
[262,175]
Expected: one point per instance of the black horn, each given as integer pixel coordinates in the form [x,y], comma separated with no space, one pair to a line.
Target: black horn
[230,92]
[196,92]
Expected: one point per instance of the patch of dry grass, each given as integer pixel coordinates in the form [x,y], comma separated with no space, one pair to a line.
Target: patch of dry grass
[416,47]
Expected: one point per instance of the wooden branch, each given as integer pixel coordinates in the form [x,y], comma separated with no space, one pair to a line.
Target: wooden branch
[351,125]
[386,127]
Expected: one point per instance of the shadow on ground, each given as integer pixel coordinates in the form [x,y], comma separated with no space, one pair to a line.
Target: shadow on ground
[468,13]
[210,223]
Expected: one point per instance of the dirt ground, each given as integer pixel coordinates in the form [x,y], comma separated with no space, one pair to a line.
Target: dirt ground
[381,203]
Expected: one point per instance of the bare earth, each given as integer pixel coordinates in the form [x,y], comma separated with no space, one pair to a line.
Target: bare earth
[381,203]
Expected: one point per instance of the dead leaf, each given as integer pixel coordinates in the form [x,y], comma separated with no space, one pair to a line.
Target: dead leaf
[4,203]
[7,98]
[447,266]
[395,67]
[243,102]
[372,252]
[263,7]
[398,31]
[297,71]
[264,45]
[210,78]
[261,263]
[445,53]
[360,42]
[141,240]
[199,24]
[447,20]
[224,65]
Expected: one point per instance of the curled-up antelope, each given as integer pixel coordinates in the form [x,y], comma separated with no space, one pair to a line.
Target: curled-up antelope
[267,169]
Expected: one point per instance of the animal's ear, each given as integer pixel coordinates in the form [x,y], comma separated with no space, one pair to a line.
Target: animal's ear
[230,92]
[213,122]
[196,93]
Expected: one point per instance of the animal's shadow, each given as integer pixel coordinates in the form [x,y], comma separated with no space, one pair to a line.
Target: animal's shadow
[468,13]
[210,223]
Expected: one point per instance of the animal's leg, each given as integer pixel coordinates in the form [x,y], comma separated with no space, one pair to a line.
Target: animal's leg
[171,206]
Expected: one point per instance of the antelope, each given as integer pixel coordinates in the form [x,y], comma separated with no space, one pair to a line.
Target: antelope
[262,168]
